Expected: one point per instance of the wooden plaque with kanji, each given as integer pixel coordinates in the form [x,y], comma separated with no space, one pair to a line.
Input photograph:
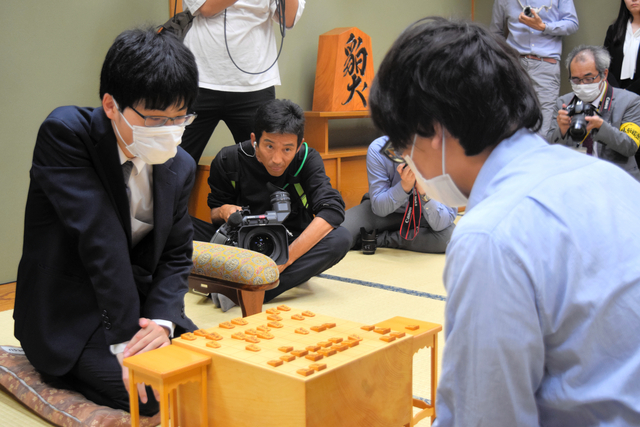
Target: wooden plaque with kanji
[344,71]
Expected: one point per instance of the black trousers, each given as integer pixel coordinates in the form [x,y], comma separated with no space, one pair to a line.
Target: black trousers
[324,255]
[98,377]
[236,109]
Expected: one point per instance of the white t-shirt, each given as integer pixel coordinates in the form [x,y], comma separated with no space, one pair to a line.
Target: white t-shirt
[251,40]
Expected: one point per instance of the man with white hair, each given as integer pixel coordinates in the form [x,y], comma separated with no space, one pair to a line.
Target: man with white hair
[596,118]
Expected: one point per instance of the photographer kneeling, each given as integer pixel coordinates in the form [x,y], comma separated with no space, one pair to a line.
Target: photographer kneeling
[596,118]
[245,176]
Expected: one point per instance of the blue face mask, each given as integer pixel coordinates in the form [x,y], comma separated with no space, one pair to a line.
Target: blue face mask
[441,188]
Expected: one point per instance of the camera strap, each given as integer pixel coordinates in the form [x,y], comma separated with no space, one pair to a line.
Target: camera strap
[604,111]
[412,216]
[297,185]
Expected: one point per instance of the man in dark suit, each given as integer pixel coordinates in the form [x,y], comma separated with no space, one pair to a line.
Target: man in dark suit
[107,238]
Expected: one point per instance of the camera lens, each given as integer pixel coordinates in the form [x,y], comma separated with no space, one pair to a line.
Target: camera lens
[578,127]
[262,243]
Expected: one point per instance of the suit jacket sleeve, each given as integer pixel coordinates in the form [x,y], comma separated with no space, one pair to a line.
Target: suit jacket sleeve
[619,140]
[554,136]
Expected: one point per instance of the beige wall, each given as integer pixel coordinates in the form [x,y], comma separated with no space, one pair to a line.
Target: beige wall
[594,17]
[52,51]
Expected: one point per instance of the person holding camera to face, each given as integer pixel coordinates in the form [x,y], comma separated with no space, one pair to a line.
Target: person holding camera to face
[394,214]
[596,118]
[276,157]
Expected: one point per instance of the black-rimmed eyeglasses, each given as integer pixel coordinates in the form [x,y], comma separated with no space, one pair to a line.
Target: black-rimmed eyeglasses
[157,121]
[585,81]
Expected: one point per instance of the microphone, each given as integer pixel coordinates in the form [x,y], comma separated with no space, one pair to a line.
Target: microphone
[235,219]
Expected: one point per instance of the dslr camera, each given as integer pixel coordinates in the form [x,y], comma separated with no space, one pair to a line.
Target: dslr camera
[260,233]
[578,110]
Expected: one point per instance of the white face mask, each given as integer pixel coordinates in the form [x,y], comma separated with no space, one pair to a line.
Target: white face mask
[442,188]
[154,145]
[588,92]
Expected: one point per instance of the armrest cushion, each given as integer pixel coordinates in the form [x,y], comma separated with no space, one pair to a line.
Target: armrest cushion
[233,264]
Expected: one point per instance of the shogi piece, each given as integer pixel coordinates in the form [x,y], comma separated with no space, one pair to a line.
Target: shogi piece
[366,385]
[344,71]
[165,369]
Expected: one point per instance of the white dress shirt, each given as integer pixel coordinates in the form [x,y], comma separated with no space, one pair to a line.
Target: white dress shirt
[140,186]
[630,49]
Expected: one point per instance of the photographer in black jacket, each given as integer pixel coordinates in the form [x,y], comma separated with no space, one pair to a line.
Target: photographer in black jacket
[276,154]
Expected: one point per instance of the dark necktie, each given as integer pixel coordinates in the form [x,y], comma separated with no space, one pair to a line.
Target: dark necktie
[588,144]
[126,171]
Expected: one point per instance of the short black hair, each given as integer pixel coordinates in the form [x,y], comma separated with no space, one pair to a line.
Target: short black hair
[279,116]
[457,74]
[149,68]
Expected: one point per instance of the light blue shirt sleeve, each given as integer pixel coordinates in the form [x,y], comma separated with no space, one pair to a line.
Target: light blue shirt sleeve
[385,188]
[438,216]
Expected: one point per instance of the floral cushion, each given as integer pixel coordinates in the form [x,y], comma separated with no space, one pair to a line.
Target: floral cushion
[60,407]
[233,264]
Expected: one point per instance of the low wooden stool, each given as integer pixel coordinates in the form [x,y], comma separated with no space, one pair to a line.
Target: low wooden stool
[240,274]
[425,335]
[165,369]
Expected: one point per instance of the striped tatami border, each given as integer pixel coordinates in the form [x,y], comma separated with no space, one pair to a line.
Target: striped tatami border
[384,287]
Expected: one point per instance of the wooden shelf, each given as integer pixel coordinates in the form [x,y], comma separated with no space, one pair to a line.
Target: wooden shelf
[335,153]
[337,114]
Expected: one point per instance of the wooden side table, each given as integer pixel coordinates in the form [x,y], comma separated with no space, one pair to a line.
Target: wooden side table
[426,335]
[165,369]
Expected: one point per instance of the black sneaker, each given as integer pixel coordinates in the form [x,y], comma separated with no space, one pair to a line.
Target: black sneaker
[368,241]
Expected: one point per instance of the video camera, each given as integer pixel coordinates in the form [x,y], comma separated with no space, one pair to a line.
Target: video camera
[260,233]
[578,110]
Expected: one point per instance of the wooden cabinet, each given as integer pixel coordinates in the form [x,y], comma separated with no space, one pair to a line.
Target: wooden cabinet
[198,207]
[346,167]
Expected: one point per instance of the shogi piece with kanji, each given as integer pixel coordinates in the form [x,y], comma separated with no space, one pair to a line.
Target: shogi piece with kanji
[291,380]
[344,71]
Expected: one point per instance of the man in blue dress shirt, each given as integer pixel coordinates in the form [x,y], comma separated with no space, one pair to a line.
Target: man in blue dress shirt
[542,272]
[384,209]
[535,29]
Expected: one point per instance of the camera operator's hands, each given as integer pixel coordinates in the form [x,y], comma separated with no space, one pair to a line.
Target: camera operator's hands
[407,178]
[223,213]
[593,122]
[534,22]
[563,119]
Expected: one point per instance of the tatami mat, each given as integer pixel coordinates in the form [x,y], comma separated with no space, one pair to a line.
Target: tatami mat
[362,288]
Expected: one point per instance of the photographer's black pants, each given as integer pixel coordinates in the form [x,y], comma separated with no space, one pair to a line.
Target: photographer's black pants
[324,255]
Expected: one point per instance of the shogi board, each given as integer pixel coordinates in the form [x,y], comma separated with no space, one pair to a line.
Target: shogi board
[369,384]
